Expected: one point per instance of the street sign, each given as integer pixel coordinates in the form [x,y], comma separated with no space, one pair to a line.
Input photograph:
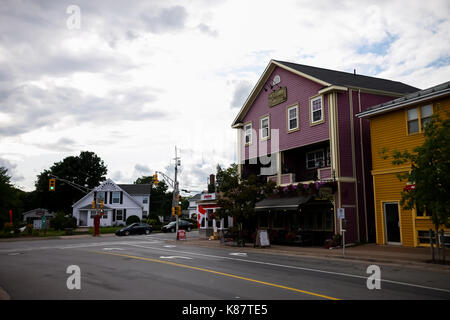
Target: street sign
[341,213]
[181,235]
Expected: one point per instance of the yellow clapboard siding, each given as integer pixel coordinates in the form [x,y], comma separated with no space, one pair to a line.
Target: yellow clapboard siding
[389,131]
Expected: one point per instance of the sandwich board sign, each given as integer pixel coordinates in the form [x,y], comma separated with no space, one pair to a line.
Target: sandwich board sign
[262,238]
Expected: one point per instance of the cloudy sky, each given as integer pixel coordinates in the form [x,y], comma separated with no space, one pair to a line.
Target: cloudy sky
[130,80]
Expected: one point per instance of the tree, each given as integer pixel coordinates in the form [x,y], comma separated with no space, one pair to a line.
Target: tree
[430,172]
[160,198]
[9,198]
[238,198]
[87,169]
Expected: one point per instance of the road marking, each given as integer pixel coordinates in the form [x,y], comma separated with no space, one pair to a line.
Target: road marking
[220,273]
[110,249]
[170,246]
[241,254]
[298,268]
[174,257]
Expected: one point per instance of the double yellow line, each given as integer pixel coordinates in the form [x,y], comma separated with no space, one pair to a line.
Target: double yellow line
[220,273]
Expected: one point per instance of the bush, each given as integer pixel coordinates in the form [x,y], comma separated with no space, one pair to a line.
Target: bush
[29,229]
[61,221]
[8,227]
[132,219]
[35,233]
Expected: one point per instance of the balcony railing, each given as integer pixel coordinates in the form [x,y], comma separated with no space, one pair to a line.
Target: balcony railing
[290,178]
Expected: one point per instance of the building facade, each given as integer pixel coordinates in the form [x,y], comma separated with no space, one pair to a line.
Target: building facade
[120,202]
[298,126]
[399,125]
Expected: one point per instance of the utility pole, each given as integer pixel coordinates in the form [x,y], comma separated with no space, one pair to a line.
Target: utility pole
[176,190]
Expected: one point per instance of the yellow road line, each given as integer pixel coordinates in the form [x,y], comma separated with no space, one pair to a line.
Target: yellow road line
[220,273]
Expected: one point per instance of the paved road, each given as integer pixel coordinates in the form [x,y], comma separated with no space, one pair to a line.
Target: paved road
[149,267]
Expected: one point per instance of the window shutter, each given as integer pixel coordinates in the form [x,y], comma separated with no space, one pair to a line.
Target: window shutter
[110,197]
[121,197]
[124,214]
[114,215]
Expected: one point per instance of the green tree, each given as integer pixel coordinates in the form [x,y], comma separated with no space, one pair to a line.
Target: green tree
[160,198]
[9,199]
[430,172]
[87,169]
[238,198]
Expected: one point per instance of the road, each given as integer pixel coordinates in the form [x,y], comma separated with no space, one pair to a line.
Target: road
[149,267]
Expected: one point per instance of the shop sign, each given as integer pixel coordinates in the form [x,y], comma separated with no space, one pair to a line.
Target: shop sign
[277,97]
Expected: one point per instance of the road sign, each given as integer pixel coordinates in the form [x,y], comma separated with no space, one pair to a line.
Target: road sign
[181,235]
[341,213]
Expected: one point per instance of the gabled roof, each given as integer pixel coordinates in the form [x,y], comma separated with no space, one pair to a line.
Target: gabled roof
[347,79]
[109,185]
[421,96]
[326,78]
[136,189]
[196,197]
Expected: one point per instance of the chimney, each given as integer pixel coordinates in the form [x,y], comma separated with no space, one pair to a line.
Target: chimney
[354,72]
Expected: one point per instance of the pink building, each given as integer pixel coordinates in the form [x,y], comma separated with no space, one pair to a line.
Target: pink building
[298,125]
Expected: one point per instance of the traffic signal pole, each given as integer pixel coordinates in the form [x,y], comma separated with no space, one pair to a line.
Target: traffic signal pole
[175,190]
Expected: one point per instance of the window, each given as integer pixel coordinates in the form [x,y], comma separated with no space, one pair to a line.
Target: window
[93,213]
[264,128]
[419,117]
[101,196]
[413,120]
[116,197]
[316,110]
[248,133]
[292,118]
[145,200]
[425,115]
[421,213]
[315,159]
[105,215]
[328,159]
[119,215]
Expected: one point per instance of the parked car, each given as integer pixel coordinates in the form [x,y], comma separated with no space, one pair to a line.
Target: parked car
[135,228]
[182,224]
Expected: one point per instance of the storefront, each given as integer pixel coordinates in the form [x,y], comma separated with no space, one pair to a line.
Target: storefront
[300,220]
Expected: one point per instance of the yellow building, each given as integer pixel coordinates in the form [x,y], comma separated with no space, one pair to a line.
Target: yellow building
[398,125]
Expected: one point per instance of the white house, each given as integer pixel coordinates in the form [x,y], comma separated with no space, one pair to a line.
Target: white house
[120,202]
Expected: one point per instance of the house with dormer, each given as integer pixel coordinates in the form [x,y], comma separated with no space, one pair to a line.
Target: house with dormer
[298,128]
[120,201]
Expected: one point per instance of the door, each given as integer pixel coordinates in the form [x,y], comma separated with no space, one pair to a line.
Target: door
[392,223]
[83,218]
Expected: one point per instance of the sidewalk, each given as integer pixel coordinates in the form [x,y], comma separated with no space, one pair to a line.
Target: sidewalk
[370,252]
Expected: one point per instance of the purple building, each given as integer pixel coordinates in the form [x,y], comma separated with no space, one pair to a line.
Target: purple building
[298,127]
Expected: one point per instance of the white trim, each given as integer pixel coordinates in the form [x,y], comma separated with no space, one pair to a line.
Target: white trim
[311,111]
[261,129]
[296,117]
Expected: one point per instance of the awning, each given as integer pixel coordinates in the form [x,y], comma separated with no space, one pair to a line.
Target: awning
[291,203]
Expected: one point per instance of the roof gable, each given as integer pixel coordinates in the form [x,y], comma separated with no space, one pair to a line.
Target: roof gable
[325,77]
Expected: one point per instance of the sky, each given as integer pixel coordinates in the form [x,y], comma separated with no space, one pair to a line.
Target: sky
[132,80]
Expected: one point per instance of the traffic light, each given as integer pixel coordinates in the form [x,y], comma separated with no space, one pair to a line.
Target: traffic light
[93,204]
[101,204]
[155,179]
[179,210]
[179,199]
[51,184]
[173,211]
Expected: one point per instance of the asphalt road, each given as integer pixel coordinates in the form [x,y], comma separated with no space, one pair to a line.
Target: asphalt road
[149,267]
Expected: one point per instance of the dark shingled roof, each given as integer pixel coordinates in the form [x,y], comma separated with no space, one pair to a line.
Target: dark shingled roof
[290,203]
[421,95]
[347,79]
[135,189]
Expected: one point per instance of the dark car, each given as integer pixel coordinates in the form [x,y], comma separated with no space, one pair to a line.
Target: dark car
[135,228]
[182,224]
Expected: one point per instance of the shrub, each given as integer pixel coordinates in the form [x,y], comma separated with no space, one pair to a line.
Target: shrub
[29,229]
[35,233]
[61,221]
[8,227]
[132,219]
